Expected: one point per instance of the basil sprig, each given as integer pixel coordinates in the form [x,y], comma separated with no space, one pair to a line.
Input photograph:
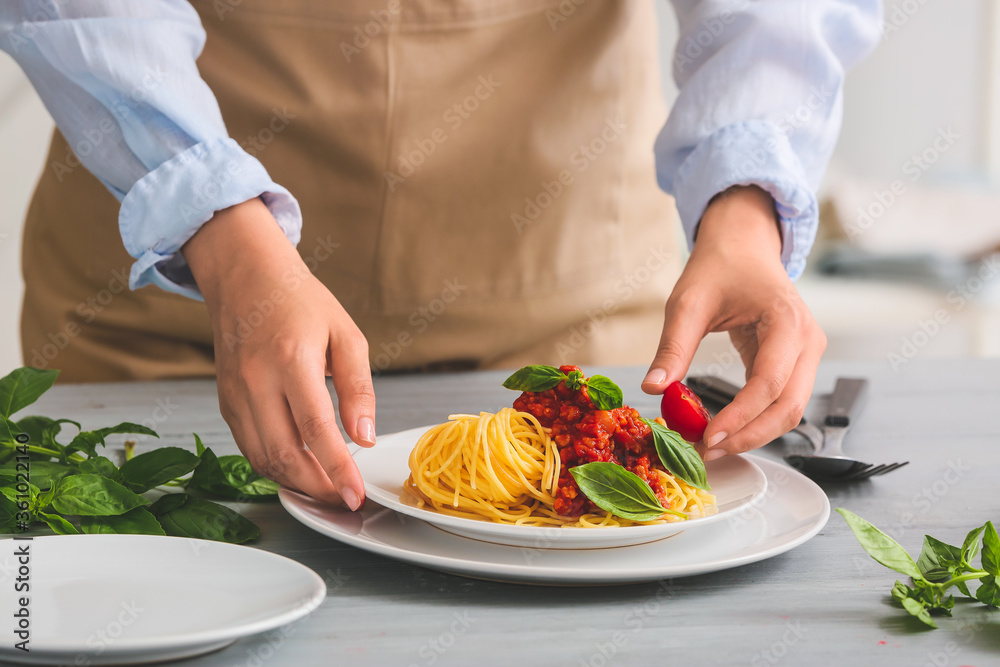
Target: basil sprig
[72,489]
[604,393]
[939,567]
[535,378]
[678,456]
[619,491]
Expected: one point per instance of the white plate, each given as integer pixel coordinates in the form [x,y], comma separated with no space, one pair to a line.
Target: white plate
[793,510]
[736,482]
[126,599]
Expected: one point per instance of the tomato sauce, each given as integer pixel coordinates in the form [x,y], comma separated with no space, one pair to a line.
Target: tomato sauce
[585,434]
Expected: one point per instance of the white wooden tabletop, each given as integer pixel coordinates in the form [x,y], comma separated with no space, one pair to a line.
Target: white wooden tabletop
[824,603]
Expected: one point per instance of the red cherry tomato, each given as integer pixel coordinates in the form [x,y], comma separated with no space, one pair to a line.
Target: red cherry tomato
[683,411]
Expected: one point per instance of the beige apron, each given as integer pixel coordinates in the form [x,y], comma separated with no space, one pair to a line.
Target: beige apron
[476,179]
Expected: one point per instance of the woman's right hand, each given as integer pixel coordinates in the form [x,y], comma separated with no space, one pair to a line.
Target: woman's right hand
[278,333]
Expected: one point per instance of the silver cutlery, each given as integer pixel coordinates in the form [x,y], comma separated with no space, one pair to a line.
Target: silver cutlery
[828,461]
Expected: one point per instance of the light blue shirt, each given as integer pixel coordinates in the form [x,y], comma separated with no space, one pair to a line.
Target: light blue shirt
[760,103]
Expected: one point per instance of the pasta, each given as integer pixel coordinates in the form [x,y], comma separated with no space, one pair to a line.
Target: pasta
[506,468]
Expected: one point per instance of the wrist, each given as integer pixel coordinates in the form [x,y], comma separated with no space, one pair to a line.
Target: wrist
[741,219]
[236,240]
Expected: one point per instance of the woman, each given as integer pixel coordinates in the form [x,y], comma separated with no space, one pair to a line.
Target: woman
[473,187]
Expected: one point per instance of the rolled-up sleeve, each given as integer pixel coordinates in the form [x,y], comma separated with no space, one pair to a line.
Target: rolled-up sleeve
[760,103]
[120,80]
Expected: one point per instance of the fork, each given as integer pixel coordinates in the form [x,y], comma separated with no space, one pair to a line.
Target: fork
[830,463]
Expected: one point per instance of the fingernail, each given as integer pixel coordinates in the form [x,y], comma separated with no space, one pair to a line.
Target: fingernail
[366,430]
[713,454]
[655,376]
[716,439]
[350,497]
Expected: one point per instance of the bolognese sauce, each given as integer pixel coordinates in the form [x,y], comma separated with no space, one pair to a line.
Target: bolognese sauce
[585,434]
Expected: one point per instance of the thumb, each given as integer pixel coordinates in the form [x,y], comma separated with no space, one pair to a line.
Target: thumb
[683,328]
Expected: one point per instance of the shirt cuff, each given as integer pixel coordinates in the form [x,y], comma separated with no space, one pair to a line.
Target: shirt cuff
[169,204]
[757,153]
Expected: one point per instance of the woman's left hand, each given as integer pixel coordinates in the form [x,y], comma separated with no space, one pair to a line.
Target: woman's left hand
[734,281]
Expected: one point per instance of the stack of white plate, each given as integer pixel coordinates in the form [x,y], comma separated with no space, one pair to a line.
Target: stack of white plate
[764,509]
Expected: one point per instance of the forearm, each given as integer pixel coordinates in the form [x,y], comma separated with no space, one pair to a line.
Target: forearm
[739,220]
[120,80]
[760,103]
[238,241]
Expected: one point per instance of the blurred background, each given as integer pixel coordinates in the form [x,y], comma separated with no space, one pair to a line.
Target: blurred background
[904,266]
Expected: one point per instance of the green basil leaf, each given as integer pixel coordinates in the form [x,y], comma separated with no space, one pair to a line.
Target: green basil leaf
[87,441]
[938,561]
[58,524]
[236,470]
[198,444]
[916,608]
[605,394]
[678,456]
[239,475]
[534,378]
[991,550]
[38,428]
[103,466]
[138,521]
[989,591]
[8,514]
[880,546]
[203,519]
[208,476]
[156,467]
[8,432]
[970,547]
[43,431]
[168,503]
[944,606]
[261,487]
[614,489]
[229,476]
[10,489]
[936,574]
[43,473]
[88,494]
[932,597]
[44,498]
[22,387]
[900,591]
[128,428]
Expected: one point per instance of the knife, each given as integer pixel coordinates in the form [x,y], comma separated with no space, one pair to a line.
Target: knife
[719,393]
[848,398]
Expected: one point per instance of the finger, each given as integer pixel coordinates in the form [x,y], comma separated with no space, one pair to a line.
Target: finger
[685,323]
[744,339]
[352,379]
[291,465]
[782,415]
[312,410]
[775,360]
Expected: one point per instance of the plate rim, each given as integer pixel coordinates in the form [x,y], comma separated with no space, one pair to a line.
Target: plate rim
[491,529]
[555,577]
[233,632]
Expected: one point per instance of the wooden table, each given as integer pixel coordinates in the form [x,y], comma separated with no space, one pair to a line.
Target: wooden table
[823,603]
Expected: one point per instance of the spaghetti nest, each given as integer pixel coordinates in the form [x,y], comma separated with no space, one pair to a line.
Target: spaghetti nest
[505,468]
